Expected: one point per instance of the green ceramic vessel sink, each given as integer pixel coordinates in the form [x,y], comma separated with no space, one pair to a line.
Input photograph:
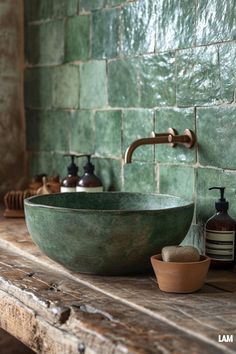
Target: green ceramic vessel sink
[109,233]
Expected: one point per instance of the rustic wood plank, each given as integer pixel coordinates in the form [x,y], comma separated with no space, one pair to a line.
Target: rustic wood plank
[102,324]
[26,325]
[202,315]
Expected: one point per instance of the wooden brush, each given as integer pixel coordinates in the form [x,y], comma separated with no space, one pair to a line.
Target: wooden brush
[14,203]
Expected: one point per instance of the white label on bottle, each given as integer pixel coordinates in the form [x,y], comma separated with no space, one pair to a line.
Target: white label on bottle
[68,189]
[220,244]
[89,189]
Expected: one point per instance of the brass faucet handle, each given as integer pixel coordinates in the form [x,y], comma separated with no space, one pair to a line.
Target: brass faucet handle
[171,131]
[155,135]
[188,139]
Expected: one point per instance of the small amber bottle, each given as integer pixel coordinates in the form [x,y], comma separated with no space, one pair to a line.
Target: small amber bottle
[69,183]
[220,235]
[89,182]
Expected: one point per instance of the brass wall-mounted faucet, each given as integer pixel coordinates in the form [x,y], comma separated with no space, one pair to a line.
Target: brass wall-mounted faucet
[171,137]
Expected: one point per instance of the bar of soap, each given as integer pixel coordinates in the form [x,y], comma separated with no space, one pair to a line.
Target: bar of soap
[180,254]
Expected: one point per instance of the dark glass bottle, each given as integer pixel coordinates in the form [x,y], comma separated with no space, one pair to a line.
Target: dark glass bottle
[69,183]
[89,182]
[220,235]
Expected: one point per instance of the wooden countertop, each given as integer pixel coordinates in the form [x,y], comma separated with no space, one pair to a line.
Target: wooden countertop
[55,311]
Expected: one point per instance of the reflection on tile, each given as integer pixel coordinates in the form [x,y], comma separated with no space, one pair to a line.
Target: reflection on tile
[228,71]
[216,136]
[175,24]
[216,21]
[138,27]
[198,76]
[157,80]
[105,40]
[123,83]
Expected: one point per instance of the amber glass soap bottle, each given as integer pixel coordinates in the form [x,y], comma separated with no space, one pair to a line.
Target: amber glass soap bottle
[69,183]
[89,182]
[220,235]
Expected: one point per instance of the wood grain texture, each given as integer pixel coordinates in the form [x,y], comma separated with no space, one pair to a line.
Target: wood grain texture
[106,314]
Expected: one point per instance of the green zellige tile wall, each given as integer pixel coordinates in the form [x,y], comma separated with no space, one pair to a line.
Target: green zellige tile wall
[102,73]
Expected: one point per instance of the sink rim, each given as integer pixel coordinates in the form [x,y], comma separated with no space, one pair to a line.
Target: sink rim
[186,203]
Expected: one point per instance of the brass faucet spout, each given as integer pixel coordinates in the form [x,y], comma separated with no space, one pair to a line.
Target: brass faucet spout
[158,139]
[171,137]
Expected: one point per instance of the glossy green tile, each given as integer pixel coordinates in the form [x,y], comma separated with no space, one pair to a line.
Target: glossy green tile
[38,87]
[175,24]
[211,177]
[37,10]
[123,83]
[140,177]
[77,38]
[228,71]
[157,80]
[93,85]
[198,76]
[114,2]
[179,119]
[109,171]
[216,21]
[62,8]
[45,9]
[216,136]
[105,36]
[82,131]
[45,43]
[47,130]
[81,95]
[138,124]
[85,5]
[177,180]
[138,27]
[41,162]
[65,86]
[60,165]
[108,133]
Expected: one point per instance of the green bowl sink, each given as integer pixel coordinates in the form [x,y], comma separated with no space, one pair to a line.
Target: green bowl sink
[109,233]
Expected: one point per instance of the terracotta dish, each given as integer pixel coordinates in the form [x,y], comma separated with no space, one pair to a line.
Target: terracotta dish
[178,277]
